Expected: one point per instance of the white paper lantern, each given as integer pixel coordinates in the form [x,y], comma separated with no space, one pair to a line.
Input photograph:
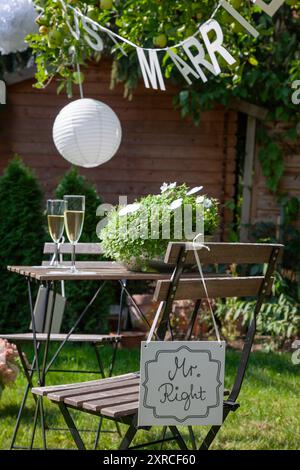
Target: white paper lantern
[17,20]
[87,133]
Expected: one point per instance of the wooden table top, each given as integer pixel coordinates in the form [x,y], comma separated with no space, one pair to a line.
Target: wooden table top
[88,270]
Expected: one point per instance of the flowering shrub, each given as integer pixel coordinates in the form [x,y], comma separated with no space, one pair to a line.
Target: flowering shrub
[141,231]
[8,368]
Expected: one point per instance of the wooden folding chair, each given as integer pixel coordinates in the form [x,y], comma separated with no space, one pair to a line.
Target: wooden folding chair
[117,398]
[42,318]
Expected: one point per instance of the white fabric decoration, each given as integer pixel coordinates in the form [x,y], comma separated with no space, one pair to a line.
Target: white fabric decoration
[87,133]
[17,20]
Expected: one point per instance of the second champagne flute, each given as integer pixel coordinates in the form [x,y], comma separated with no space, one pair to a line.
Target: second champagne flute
[55,216]
[74,218]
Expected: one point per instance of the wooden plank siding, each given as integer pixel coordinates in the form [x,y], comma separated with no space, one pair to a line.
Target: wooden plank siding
[264,205]
[157,144]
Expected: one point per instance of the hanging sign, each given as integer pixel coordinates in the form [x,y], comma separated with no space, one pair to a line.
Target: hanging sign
[189,63]
[182,383]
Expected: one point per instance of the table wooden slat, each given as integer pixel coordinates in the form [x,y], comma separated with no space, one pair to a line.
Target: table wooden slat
[60,337]
[87,271]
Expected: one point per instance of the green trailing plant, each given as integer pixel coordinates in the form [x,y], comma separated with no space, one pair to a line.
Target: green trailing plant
[278,319]
[22,235]
[141,231]
[79,293]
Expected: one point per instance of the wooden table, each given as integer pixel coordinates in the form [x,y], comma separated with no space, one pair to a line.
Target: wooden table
[97,270]
[48,276]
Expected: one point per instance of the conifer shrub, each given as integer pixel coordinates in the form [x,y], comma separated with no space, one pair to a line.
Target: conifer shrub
[22,234]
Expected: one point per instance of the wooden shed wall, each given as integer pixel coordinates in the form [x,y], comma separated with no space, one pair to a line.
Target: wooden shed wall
[157,144]
[264,206]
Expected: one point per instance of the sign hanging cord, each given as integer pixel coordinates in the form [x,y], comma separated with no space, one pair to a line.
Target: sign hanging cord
[79,80]
[195,247]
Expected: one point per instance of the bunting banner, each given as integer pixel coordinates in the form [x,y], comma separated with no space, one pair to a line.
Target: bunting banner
[195,48]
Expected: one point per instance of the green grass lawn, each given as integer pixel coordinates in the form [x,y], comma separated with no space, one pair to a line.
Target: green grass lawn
[269,416]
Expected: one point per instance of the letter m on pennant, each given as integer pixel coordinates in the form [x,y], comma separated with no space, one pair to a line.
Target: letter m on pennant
[151,70]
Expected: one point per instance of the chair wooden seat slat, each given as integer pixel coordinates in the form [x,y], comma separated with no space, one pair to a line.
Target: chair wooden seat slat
[60,337]
[118,400]
[43,391]
[98,396]
[61,395]
[120,411]
[98,405]
[108,399]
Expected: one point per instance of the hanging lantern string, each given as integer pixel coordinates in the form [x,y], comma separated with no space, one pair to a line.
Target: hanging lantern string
[127,41]
[76,62]
[79,80]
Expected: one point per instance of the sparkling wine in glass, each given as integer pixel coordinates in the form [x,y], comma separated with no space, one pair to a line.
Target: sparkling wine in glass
[55,217]
[73,219]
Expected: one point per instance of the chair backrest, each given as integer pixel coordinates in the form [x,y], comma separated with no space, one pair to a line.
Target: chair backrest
[183,256]
[41,323]
[183,285]
[92,249]
[82,250]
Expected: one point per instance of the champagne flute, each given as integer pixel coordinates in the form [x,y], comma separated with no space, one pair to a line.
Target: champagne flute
[55,216]
[74,218]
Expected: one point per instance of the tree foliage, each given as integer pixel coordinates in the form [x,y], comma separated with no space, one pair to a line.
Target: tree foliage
[263,74]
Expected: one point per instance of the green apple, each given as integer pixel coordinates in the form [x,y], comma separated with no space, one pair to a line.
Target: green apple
[55,38]
[43,30]
[160,40]
[41,20]
[106,4]
[253,61]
